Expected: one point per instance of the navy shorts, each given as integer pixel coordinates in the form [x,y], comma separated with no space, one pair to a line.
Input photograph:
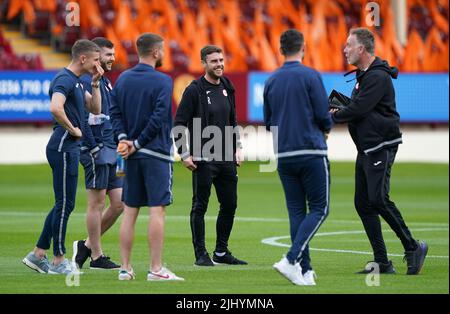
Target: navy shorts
[148,182]
[99,177]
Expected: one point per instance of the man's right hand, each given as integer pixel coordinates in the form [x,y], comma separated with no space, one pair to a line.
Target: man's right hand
[189,163]
[76,132]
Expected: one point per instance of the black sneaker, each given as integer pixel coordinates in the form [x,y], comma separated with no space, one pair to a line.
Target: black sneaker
[204,260]
[80,253]
[103,262]
[385,268]
[227,259]
[414,259]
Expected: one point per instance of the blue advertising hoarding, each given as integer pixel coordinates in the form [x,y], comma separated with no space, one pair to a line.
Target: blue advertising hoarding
[420,97]
[24,96]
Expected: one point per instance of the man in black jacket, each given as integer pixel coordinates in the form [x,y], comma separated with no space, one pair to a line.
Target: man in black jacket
[211,151]
[374,126]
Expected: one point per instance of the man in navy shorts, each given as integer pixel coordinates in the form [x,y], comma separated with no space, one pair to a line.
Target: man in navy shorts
[141,114]
[98,157]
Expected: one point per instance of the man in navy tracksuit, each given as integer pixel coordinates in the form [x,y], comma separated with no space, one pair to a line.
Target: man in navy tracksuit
[98,157]
[141,114]
[295,102]
[68,100]
[374,125]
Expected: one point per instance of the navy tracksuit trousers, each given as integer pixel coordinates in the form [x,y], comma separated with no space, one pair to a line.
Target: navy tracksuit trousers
[305,179]
[65,177]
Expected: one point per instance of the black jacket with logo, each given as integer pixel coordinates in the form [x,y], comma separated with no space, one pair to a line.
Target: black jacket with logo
[194,104]
[373,120]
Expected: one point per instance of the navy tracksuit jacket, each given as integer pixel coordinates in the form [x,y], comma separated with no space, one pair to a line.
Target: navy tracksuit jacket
[295,102]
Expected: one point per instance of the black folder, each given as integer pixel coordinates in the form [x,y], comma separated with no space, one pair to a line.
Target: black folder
[337,100]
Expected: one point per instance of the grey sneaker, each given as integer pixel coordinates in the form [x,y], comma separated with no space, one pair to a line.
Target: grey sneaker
[64,268]
[41,265]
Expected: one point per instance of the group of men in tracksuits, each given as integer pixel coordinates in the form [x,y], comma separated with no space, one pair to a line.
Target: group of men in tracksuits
[134,118]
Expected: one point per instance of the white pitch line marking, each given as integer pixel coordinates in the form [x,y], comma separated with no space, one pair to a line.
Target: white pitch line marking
[274,241]
[250,219]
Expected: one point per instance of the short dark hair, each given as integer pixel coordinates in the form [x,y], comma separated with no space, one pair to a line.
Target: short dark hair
[291,41]
[103,42]
[82,46]
[207,50]
[147,42]
[365,37]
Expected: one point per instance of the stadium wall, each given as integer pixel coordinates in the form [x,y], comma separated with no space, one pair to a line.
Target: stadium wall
[27,144]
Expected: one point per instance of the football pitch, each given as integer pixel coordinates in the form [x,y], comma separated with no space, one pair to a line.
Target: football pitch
[260,236]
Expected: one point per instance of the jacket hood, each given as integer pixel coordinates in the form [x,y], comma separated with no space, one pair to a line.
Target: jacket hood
[384,65]
[376,64]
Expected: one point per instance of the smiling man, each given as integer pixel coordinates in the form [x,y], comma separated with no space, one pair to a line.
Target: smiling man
[98,157]
[208,108]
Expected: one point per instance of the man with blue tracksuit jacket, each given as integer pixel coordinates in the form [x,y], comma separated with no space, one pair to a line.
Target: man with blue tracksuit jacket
[295,102]
[141,114]
[67,105]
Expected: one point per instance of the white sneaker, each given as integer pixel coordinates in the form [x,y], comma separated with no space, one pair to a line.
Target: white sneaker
[292,272]
[310,277]
[126,275]
[163,275]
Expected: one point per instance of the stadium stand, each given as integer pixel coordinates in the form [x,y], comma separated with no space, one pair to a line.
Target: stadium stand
[247,29]
[9,60]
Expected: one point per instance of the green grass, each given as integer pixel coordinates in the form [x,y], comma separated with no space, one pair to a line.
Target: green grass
[419,190]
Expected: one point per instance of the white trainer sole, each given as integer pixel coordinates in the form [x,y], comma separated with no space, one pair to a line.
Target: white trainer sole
[126,277]
[32,266]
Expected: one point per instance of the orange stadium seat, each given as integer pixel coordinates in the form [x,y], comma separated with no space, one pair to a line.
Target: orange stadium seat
[249,30]
[436,52]
[414,53]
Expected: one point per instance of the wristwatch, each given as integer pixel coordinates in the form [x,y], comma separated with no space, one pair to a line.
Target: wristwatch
[95,85]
